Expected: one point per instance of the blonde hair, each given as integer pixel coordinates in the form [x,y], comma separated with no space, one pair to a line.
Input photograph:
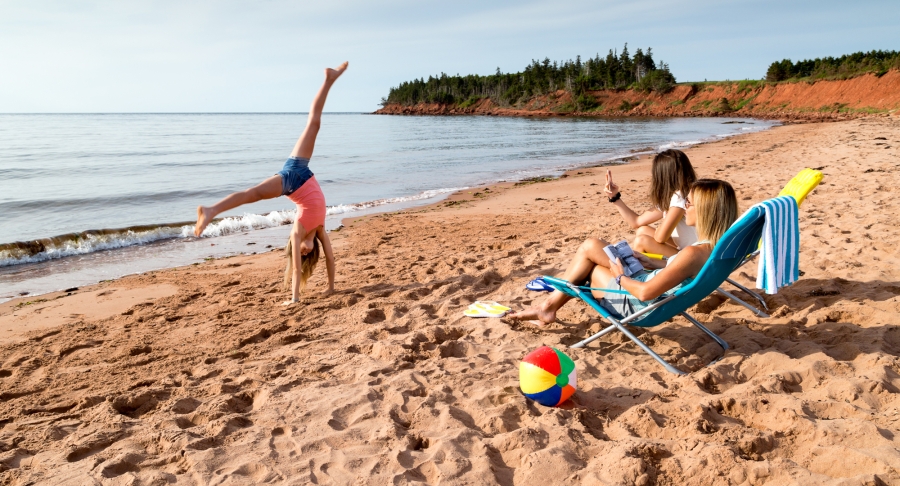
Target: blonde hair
[717,208]
[671,172]
[307,264]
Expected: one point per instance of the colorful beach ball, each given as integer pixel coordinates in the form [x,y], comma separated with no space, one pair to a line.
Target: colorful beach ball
[547,376]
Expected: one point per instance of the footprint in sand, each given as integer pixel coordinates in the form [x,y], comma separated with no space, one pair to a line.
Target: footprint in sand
[282,444]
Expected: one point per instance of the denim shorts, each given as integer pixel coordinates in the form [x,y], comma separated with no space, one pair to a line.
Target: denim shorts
[294,174]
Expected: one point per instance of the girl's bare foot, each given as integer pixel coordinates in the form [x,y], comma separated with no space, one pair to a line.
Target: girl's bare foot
[290,302]
[204,217]
[541,315]
[333,74]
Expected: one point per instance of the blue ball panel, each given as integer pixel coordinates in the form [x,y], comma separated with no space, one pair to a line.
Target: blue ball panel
[549,397]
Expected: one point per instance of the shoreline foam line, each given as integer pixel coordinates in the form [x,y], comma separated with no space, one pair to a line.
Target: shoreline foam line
[71,244]
[81,243]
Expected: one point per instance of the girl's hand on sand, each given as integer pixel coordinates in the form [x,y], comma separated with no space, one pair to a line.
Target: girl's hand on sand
[610,188]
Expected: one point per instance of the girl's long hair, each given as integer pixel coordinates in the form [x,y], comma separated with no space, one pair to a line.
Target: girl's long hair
[717,208]
[307,263]
[672,172]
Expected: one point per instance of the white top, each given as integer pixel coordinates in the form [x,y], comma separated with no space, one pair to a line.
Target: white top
[683,235]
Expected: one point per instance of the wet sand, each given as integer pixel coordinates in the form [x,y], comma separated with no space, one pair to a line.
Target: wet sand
[197,375]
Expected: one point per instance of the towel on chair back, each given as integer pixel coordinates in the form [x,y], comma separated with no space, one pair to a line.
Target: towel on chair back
[780,248]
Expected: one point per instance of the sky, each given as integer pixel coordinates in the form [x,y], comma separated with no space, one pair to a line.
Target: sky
[165,56]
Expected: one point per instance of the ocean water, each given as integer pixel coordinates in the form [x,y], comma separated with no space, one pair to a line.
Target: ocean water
[87,197]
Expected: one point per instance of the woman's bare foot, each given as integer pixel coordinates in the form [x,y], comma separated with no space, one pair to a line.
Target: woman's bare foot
[333,74]
[204,217]
[290,302]
[541,314]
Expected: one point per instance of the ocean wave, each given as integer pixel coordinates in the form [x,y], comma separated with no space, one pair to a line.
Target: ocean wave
[85,242]
[675,145]
[347,208]
[245,222]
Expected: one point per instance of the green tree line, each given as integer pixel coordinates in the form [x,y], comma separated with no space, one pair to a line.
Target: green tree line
[847,66]
[615,71]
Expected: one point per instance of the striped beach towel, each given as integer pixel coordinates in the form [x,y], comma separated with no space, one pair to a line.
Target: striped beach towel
[779,257]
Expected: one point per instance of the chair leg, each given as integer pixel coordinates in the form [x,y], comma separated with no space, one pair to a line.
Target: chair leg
[615,325]
[594,337]
[756,296]
[707,331]
[733,297]
[649,351]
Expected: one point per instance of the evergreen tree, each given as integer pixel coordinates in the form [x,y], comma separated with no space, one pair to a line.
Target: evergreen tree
[616,70]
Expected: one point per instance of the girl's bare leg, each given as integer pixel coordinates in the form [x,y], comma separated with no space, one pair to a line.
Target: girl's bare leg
[645,241]
[271,187]
[599,278]
[267,189]
[307,141]
[589,255]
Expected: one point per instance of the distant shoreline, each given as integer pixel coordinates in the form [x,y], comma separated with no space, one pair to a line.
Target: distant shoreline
[827,100]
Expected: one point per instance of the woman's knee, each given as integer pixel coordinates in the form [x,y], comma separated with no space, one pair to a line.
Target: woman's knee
[641,242]
[645,231]
[592,244]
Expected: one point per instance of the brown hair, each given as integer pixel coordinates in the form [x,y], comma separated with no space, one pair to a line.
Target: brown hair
[307,263]
[716,206]
[671,172]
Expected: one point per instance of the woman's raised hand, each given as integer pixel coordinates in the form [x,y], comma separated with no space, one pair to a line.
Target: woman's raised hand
[610,188]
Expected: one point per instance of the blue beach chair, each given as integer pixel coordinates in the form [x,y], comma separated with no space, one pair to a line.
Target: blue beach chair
[734,246]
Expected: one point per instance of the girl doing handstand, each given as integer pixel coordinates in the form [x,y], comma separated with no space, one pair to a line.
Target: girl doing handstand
[299,184]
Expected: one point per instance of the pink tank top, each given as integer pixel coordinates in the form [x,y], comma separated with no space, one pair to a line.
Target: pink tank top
[310,203]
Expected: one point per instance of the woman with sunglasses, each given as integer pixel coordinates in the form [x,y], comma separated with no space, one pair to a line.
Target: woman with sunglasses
[711,208]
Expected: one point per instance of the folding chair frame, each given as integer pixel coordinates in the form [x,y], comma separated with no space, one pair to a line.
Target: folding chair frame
[753,294]
[620,325]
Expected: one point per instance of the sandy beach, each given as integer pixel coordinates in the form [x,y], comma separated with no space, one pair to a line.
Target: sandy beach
[197,375]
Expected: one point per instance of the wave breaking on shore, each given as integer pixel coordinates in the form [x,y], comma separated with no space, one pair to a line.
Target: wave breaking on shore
[91,241]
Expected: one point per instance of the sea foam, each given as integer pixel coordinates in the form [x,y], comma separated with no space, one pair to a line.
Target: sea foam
[71,244]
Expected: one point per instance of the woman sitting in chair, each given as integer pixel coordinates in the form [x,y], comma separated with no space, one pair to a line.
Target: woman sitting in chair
[711,207]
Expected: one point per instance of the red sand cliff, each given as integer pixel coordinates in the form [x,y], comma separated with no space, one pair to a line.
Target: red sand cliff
[825,100]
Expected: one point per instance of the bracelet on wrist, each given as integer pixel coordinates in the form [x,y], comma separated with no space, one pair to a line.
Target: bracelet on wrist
[615,198]
[619,280]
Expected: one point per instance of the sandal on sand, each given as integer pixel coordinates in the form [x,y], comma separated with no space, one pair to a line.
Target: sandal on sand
[490,305]
[486,309]
[538,285]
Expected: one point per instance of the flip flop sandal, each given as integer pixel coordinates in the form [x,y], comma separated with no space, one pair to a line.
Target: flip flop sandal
[489,305]
[482,312]
[539,285]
